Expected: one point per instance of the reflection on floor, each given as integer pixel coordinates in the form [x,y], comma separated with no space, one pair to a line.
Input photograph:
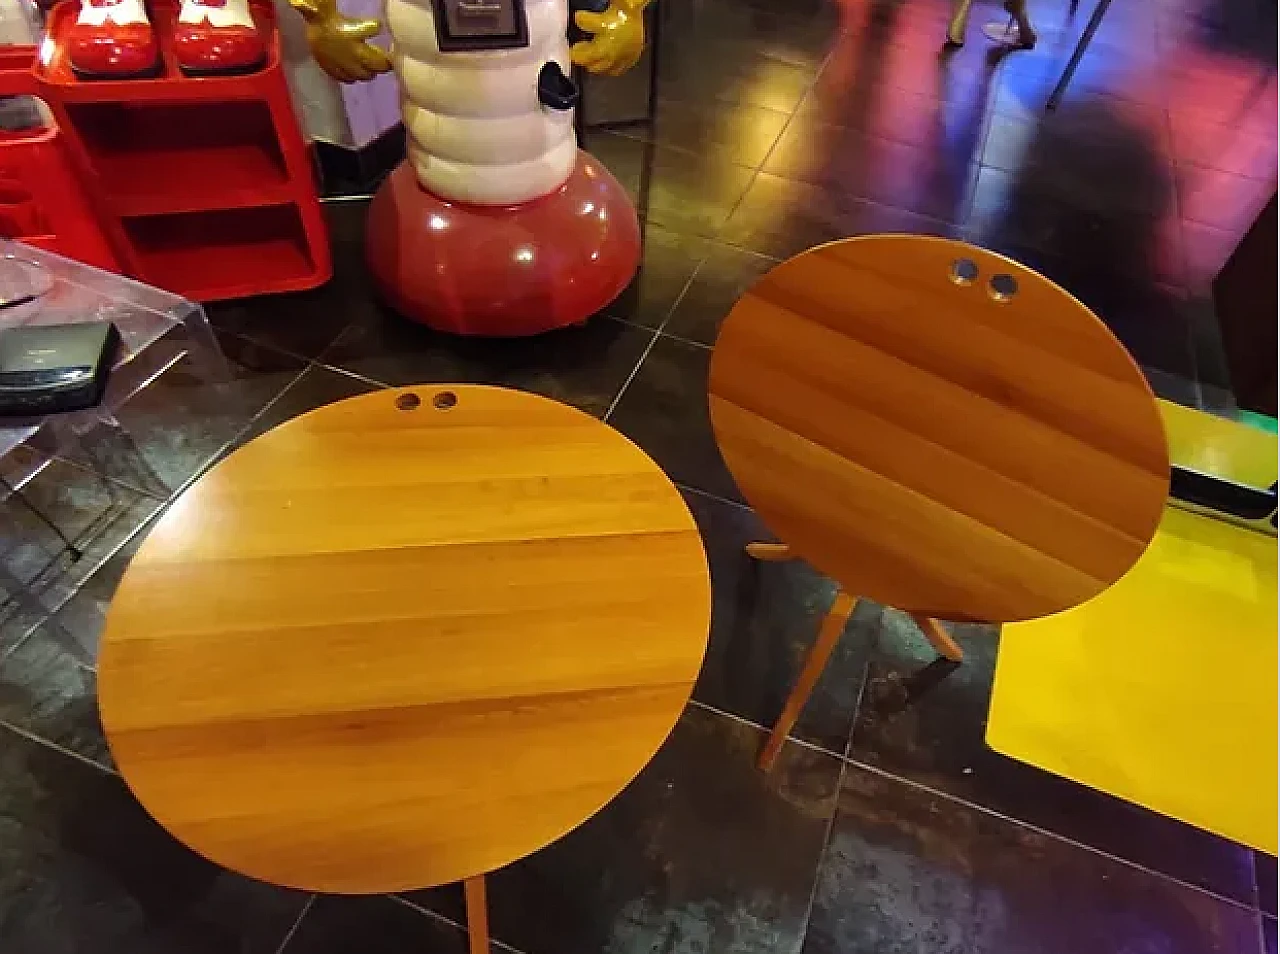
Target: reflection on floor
[889,825]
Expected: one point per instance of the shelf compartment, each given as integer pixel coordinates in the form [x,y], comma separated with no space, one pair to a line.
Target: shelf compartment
[157,158]
[228,253]
[53,66]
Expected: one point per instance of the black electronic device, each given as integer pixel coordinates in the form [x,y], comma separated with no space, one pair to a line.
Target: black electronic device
[480,25]
[45,369]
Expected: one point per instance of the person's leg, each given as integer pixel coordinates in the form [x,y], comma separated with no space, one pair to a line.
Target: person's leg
[959,20]
[1018,10]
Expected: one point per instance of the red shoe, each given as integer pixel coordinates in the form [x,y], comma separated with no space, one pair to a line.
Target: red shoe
[112,38]
[217,36]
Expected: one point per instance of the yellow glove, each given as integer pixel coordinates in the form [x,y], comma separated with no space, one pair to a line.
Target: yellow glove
[617,37]
[340,45]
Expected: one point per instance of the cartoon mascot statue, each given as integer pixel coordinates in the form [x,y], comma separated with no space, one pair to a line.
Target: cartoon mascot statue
[496,223]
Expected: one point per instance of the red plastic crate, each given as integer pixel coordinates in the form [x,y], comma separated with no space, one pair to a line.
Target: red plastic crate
[42,200]
[199,185]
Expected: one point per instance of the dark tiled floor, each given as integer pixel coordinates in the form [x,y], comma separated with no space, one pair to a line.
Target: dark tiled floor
[889,826]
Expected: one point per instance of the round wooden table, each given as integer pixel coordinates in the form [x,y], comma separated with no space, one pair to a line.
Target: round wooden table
[404,640]
[938,428]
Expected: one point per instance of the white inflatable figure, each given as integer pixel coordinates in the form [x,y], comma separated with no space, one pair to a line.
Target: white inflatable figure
[487,100]
[477,129]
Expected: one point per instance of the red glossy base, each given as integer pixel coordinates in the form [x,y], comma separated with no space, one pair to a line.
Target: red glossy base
[503,271]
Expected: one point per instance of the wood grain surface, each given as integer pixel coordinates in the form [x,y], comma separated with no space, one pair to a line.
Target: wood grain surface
[380,648]
[930,446]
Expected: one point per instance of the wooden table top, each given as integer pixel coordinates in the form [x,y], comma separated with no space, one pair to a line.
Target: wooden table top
[386,646]
[934,444]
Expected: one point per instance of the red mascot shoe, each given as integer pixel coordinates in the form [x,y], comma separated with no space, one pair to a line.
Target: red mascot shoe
[112,39]
[217,36]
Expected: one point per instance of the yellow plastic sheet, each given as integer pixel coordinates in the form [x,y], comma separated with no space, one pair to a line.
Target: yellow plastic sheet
[1162,690]
[1219,447]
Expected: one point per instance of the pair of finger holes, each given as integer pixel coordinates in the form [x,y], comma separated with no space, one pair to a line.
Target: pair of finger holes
[442,401]
[1002,287]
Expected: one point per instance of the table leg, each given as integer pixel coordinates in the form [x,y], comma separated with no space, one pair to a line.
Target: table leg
[769,552]
[828,635]
[939,638]
[477,914]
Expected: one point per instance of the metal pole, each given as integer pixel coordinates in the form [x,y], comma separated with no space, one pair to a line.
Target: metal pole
[1095,21]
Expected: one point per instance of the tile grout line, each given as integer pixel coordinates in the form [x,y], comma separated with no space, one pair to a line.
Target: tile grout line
[319,365]
[53,611]
[716,497]
[734,717]
[61,750]
[759,169]
[755,174]
[835,810]
[826,843]
[436,915]
[296,924]
[254,418]
[975,806]
[613,405]
[1184,260]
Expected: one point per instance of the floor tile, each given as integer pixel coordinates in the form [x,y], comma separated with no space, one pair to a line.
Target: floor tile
[180,422]
[931,181]
[305,323]
[701,853]
[57,529]
[725,276]
[1214,85]
[893,47]
[47,691]
[83,616]
[1025,94]
[669,261]
[1106,71]
[914,119]
[764,620]
[923,721]
[664,410]
[739,132]
[781,218]
[908,870]
[1223,146]
[372,925]
[691,193]
[584,366]
[316,387]
[799,33]
[1070,146]
[1087,155]
[734,73]
[86,871]
[1121,263]
[1221,200]
[1148,317]
[1207,251]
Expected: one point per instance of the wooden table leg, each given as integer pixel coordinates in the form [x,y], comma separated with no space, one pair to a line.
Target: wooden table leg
[939,638]
[769,552]
[828,635]
[477,914]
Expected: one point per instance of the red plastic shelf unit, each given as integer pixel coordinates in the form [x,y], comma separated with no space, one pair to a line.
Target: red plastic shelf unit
[202,185]
[42,200]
